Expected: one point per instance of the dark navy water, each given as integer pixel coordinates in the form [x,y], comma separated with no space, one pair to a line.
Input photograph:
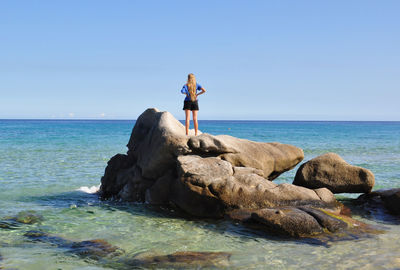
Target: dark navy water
[51,166]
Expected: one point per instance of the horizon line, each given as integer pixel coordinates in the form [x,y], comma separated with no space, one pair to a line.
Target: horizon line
[235,120]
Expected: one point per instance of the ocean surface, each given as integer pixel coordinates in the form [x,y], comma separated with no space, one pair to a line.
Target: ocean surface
[52,168]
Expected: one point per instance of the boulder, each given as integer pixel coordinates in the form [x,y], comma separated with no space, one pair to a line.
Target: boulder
[291,221]
[119,165]
[392,202]
[156,139]
[389,198]
[210,186]
[303,222]
[332,172]
[271,158]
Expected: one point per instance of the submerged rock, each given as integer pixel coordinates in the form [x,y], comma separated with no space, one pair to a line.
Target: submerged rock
[302,222]
[100,250]
[94,249]
[204,175]
[28,217]
[332,172]
[183,259]
[23,217]
[291,221]
[90,249]
[9,225]
[389,198]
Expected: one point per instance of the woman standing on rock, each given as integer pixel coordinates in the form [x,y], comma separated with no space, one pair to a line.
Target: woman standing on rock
[191,89]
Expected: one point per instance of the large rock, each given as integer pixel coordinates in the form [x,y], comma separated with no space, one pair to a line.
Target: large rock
[158,138]
[390,198]
[291,221]
[210,186]
[272,158]
[392,202]
[115,175]
[204,175]
[332,172]
[304,221]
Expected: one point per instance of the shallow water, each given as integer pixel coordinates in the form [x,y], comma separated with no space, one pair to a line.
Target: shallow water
[46,165]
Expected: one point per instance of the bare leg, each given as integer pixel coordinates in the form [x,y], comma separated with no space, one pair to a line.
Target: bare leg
[187,121]
[196,125]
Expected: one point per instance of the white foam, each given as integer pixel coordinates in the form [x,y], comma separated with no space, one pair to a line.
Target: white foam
[90,190]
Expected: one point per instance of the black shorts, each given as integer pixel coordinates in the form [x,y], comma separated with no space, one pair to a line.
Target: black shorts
[191,105]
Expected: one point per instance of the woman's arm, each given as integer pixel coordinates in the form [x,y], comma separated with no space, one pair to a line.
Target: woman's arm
[202,91]
[185,91]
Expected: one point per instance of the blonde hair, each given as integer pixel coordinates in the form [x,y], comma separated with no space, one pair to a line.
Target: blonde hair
[192,87]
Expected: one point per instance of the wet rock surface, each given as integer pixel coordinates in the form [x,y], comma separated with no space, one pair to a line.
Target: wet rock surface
[303,222]
[388,198]
[291,221]
[332,172]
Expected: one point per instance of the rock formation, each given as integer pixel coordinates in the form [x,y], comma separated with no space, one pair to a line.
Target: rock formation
[221,176]
[204,175]
[332,172]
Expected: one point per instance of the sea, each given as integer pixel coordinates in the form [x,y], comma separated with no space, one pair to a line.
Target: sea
[52,170]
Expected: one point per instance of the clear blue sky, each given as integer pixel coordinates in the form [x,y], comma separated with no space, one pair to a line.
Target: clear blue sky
[273,60]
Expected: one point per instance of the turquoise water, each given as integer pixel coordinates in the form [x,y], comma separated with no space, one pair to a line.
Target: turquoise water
[45,165]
